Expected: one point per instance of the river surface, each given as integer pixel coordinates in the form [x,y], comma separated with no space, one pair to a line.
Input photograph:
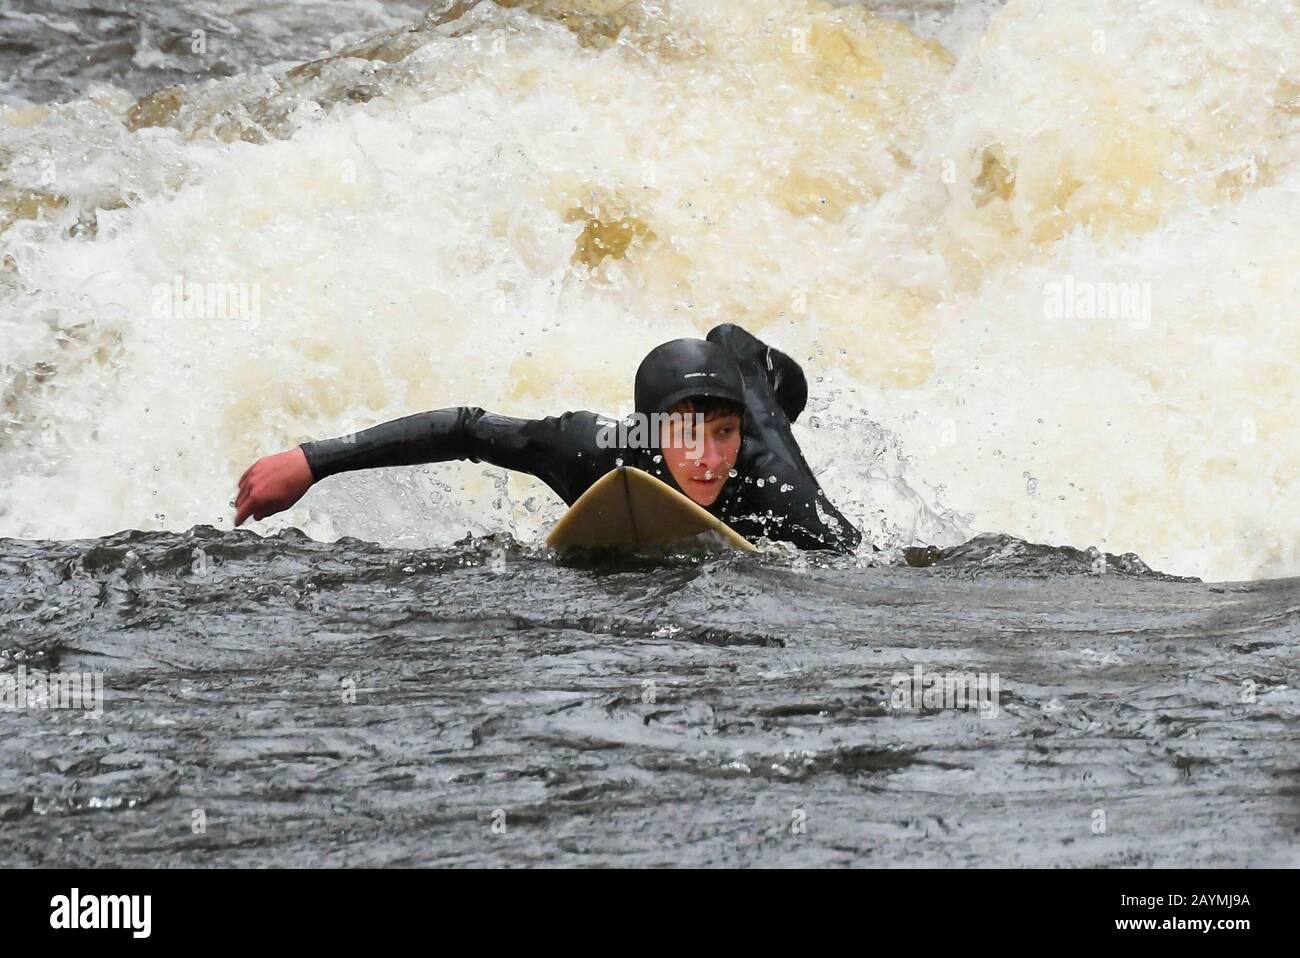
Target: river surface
[1037,258]
[487,704]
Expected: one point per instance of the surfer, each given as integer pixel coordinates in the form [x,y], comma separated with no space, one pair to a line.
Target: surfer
[745,468]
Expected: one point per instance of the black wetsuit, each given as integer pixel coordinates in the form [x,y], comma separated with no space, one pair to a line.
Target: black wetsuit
[773,493]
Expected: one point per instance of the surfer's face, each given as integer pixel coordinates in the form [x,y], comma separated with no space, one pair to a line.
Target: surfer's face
[701,467]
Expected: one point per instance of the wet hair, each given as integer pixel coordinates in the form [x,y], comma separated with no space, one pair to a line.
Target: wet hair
[710,407]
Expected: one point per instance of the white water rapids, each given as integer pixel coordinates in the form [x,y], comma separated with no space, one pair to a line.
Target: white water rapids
[1039,262]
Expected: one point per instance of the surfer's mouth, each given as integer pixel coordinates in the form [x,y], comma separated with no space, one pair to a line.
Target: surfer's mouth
[704,491]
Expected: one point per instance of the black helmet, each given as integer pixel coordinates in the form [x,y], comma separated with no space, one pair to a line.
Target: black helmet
[686,369]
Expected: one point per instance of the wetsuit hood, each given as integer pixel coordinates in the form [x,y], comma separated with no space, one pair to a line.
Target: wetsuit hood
[684,369]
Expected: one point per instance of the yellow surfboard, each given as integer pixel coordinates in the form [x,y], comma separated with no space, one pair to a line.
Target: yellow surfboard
[627,508]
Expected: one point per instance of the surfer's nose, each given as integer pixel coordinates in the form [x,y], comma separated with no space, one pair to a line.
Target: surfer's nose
[711,458]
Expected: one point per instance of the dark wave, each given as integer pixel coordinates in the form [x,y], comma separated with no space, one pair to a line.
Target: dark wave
[670,712]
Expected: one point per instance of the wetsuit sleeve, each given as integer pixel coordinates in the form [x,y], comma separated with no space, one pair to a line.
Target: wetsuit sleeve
[777,494]
[788,383]
[757,359]
[562,451]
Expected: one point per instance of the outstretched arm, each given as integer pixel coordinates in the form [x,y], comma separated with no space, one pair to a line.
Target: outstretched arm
[272,484]
[562,451]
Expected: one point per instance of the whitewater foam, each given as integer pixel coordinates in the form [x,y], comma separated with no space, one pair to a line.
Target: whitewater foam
[511,213]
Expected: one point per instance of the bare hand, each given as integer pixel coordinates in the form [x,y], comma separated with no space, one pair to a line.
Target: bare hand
[272,484]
